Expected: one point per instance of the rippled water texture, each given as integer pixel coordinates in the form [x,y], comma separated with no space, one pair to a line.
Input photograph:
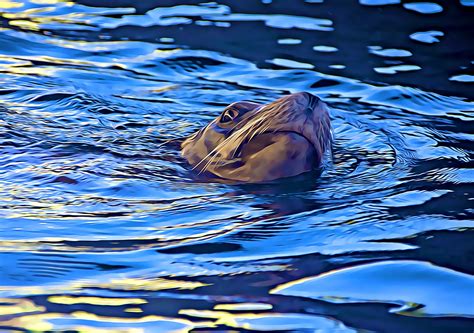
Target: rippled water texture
[104,227]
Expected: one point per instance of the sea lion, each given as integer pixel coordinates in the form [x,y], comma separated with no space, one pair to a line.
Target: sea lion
[251,142]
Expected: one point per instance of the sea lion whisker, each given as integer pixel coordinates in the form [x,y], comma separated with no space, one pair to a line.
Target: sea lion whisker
[212,152]
[218,150]
[256,132]
[205,157]
[235,139]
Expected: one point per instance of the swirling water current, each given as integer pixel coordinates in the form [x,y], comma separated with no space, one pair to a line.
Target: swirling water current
[104,228]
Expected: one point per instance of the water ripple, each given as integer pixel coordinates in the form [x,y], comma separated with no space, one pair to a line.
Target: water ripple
[105,227]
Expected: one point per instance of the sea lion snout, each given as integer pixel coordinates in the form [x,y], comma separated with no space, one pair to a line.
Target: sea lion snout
[254,142]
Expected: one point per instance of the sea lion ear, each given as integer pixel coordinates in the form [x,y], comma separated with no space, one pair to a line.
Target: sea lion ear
[228,115]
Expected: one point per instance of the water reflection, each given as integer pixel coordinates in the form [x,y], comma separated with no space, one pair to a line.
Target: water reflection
[324,48]
[418,287]
[428,37]
[396,69]
[269,322]
[462,78]
[104,227]
[390,53]
[424,7]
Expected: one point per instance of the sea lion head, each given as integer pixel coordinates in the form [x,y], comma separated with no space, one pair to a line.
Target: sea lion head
[252,142]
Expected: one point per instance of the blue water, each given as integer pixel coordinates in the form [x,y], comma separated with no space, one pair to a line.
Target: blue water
[104,227]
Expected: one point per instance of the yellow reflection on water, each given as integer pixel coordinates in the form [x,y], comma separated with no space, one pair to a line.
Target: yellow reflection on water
[28,13]
[45,322]
[40,71]
[7,4]
[32,323]
[24,24]
[287,285]
[49,2]
[268,321]
[226,318]
[7,62]
[11,306]
[166,88]
[133,310]
[34,18]
[88,329]
[69,300]
[117,284]
[151,285]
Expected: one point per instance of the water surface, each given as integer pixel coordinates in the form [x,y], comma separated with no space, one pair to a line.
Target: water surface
[103,225]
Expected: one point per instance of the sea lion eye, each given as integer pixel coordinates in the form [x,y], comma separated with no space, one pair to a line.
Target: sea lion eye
[228,116]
